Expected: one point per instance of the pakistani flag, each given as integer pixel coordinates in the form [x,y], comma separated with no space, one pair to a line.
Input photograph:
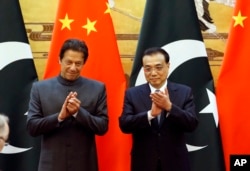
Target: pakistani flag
[174,26]
[17,73]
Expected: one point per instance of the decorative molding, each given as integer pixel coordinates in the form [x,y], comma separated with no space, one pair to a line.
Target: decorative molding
[40,32]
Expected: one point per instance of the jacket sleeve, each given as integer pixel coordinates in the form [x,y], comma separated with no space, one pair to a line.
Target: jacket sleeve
[37,124]
[132,119]
[96,118]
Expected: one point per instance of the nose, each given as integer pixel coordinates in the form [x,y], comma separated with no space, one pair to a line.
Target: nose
[154,71]
[73,66]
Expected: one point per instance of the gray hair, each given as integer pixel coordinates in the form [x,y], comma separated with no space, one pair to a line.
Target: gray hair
[3,119]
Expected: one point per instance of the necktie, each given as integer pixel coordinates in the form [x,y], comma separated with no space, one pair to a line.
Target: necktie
[158,116]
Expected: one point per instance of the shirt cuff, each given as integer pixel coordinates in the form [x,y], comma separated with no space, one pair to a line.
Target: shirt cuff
[150,117]
[75,114]
[59,120]
[168,113]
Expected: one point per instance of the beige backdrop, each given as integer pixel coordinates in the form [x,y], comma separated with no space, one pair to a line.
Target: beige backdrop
[39,17]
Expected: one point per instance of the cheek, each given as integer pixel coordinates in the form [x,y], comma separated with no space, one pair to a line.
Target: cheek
[79,68]
[147,76]
[163,76]
[63,69]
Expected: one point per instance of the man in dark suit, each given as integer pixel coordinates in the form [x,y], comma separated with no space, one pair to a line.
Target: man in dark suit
[158,114]
[68,111]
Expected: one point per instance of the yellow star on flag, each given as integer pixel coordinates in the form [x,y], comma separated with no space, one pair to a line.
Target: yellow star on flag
[66,22]
[108,8]
[239,19]
[90,26]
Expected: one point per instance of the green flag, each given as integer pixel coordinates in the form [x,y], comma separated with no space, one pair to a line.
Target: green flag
[174,26]
[17,73]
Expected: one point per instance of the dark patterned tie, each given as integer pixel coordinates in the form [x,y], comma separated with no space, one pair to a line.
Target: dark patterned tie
[158,116]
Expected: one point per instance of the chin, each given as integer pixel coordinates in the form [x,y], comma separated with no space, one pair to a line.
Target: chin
[71,78]
[156,82]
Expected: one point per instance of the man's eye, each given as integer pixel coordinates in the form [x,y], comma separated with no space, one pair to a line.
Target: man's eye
[158,68]
[147,69]
[78,64]
[67,62]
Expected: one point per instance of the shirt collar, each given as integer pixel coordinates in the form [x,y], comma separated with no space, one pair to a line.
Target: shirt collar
[161,89]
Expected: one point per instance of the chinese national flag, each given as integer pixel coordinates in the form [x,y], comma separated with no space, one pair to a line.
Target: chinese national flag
[90,20]
[233,86]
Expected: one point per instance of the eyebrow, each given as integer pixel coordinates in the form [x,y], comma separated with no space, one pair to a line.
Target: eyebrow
[153,65]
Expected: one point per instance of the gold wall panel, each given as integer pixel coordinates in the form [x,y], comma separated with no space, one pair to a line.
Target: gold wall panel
[39,17]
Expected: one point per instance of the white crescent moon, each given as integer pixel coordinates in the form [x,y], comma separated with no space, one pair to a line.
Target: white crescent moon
[13,51]
[180,51]
[9,149]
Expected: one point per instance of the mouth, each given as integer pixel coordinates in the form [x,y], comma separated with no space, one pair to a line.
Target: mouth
[71,74]
[153,79]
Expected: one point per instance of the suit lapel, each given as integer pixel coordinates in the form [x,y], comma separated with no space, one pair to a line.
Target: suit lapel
[146,101]
[144,96]
[171,91]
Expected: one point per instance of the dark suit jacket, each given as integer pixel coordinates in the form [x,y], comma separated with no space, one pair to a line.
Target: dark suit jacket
[153,141]
[67,145]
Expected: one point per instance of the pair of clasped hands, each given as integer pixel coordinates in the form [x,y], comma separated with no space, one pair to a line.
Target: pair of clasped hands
[70,106]
[160,101]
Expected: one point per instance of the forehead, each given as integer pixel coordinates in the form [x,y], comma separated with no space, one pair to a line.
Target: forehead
[153,59]
[73,55]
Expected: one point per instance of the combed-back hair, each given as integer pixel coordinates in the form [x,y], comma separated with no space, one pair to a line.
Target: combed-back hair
[75,45]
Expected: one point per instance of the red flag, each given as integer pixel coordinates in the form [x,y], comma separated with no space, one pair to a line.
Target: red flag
[91,21]
[233,85]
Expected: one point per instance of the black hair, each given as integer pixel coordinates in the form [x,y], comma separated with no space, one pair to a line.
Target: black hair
[75,45]
[155,50]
